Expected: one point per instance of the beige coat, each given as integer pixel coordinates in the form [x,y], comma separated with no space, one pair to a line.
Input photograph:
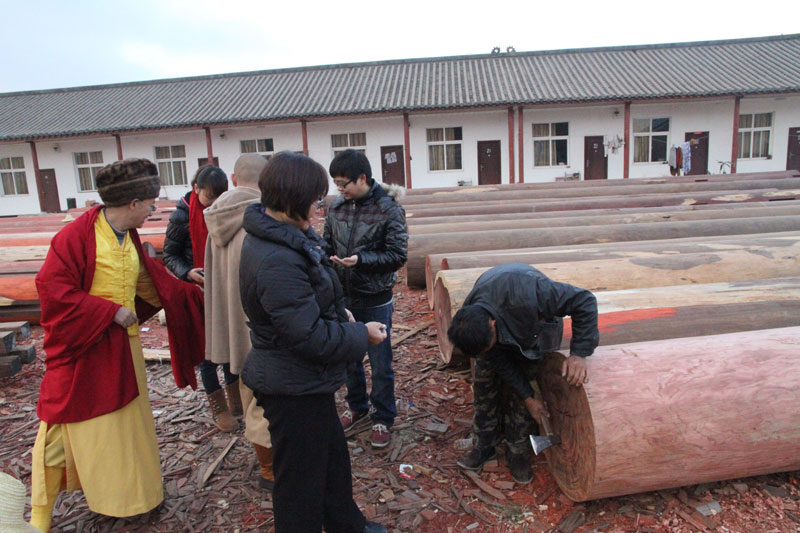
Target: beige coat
[227,334]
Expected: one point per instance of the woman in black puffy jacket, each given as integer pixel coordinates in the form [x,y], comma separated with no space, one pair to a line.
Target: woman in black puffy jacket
[303,338]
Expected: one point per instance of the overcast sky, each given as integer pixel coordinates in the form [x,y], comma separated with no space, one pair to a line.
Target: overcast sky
[50,43]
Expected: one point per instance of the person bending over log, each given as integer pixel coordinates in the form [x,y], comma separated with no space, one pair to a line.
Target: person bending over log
[97,432]
[510,319]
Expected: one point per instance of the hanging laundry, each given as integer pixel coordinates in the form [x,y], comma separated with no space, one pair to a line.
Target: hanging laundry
[672,159]
[686,152]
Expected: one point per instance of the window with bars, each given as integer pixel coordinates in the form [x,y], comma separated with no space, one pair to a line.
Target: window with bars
[12,174]
[171,161]
[550,144]
[342,141]
[650,138]
[264,147]
[755,131]
[444,148]
[86,166]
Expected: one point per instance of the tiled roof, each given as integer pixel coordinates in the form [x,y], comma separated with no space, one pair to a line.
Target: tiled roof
[765,65]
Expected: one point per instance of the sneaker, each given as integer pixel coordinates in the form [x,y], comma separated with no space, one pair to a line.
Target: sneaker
[475,458]
[520,467]
[374,527]
[380,436]
[349,418]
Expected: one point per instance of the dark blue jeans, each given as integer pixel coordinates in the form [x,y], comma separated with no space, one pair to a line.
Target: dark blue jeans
[210,379]
[380,360]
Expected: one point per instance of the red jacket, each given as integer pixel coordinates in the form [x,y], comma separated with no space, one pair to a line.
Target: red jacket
[89,371]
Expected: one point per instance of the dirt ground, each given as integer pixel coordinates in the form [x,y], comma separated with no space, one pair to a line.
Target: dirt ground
[435,496]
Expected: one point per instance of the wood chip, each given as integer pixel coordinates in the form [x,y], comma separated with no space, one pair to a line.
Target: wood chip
[484,486]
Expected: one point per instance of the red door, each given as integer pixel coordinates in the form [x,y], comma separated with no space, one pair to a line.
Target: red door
[48,191]
[595,166]
[699,164]
[793,154]
[392,165]
[489,162]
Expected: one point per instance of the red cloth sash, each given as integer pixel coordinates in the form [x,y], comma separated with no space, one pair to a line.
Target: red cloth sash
[198,230]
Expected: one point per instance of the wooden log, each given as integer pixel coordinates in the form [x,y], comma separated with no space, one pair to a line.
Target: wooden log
[612,182]
[421,245]
[453,286]
[9,365]
[610,202]
[21,329]
[594,192]
[577,219]
[26,353]
[424,221]
[20,267]
[764,243]
[662,414]
[34,239]
[8,341]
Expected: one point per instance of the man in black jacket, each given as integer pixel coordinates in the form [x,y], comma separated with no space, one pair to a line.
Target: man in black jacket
[367,239]
[510,319]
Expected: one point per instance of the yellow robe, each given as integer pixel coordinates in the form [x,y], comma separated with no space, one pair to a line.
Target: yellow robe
[113,457]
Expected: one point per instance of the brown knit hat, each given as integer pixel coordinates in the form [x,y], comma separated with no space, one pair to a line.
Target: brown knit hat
[130,179]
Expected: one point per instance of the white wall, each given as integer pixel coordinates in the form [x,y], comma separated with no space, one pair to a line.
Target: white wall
[714,116]
[583,122]
[20,204]
[476,126]
[786,115]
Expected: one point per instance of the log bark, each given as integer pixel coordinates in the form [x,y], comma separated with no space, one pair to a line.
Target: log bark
[763,243]
[659,414]
[611,182]
[421,245]
[577,219]
[610,202]
[453,286]
[582,192]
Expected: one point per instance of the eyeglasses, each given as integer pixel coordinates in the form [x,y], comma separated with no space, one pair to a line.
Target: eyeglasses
[342,185]
[320,203]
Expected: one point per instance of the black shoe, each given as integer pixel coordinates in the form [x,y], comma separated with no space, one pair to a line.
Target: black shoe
[374,527]
[266,484]
[475,459]
[520,466]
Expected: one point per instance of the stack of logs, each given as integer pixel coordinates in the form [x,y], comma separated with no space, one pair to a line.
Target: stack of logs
[13,355]
[24,242]
[698,286]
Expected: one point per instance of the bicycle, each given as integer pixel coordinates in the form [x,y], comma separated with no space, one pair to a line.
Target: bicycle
[723,165]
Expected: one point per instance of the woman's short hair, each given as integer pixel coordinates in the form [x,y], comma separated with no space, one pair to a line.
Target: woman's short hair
[470,331]
[211,179]
[291,182]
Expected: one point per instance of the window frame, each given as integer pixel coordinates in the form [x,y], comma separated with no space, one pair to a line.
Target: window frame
[444,143]
[752,130]
[650,134]
[550,140]
[93,168]
[13,171]
[265,153]
[351,143]
[170,165]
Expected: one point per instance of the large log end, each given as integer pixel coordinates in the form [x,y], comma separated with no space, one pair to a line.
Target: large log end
[572,462]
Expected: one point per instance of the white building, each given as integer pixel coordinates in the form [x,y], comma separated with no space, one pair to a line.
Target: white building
[600,113]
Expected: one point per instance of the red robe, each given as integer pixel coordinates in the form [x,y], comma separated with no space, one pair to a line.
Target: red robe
[89,370]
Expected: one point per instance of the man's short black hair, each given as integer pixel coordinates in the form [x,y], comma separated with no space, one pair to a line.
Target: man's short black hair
[470,330]
[291,183]
[211,179]
[351,164]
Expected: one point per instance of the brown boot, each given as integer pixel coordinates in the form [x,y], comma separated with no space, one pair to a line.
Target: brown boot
[234,399]
[220,413]
[267,478]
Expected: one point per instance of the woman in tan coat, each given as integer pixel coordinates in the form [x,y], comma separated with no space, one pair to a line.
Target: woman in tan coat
[227,334]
